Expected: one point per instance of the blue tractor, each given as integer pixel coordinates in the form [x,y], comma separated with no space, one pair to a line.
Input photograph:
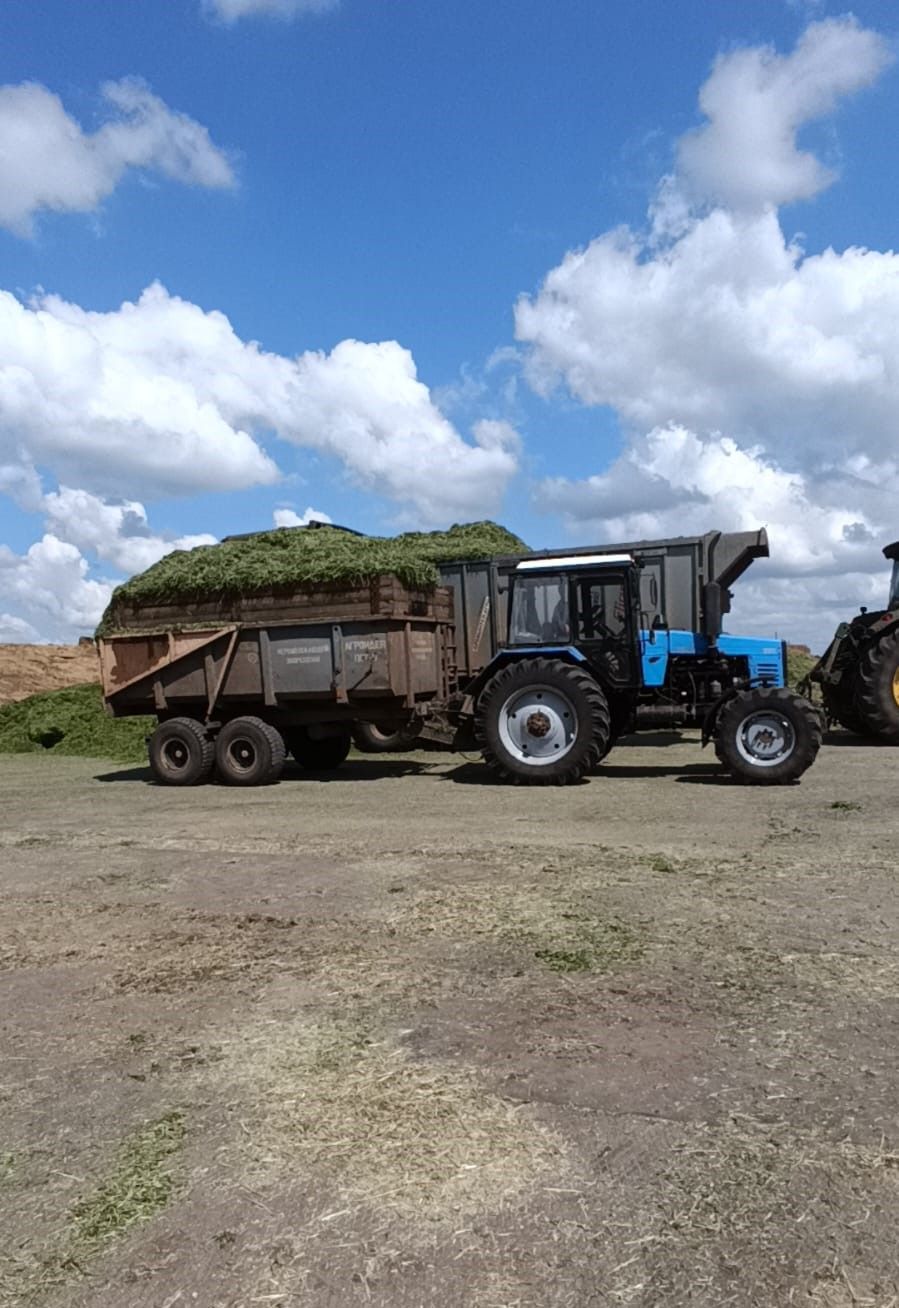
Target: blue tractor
[594,644]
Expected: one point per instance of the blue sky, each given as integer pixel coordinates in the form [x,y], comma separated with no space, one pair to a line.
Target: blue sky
[369,187]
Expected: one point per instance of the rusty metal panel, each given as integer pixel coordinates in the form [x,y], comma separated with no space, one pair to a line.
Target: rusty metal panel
[244,678]
[367,663]
[302,660]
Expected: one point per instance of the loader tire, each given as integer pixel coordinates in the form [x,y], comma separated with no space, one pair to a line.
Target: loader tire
[319,755]
[877,694]
[180,752]
[249,752]
[542,722]
[841,708]
[768,737]
[369,738]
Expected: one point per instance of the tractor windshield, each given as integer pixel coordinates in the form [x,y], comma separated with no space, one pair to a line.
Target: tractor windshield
[893,601]
[539,611]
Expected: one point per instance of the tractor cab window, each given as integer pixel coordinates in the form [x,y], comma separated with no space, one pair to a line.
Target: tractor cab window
[602,608]
[540,611]
[893,602]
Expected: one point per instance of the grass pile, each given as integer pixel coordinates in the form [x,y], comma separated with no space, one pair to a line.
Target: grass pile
[287,557]
[799,663]
[139,1185]
[73,722]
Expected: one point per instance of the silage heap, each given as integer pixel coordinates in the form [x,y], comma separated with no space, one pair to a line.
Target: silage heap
[289,559]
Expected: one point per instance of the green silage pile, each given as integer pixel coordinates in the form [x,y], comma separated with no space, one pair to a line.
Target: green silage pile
[71,722]
[282,559]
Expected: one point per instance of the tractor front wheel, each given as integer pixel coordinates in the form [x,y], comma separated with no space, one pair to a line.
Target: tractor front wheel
[542,722]
[768,737]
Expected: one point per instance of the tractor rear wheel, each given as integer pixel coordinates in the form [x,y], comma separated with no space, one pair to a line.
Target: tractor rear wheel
[542,722]
[181,752]
[877,696]
[249,752]
[319,755]
[768,737]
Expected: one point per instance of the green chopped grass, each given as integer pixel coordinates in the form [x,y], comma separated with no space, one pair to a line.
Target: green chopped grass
[799,664]
[139,1185]
[73,722]
[279,560]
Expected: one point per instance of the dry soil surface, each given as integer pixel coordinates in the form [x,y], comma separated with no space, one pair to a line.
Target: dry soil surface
[405,1037]
[27,669]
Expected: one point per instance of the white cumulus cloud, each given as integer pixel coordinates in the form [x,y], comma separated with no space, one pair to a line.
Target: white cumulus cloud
[287,517]
[47,161]
[755,102]
[118,534]
[229,11]
[755,384]
[50,584]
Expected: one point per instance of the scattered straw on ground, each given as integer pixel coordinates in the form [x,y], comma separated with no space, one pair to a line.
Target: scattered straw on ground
[417,1138]
[565,931]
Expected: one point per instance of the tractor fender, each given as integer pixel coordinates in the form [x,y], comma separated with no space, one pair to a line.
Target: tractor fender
[710,721]
[506,656]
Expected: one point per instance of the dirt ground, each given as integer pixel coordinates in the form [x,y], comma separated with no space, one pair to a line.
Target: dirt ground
[405,1037]
[28,669]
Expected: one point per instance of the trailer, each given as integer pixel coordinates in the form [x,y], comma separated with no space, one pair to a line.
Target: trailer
[540,661]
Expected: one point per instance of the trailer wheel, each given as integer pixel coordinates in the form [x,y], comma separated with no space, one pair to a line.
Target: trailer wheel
[877,695]
[181,753]
[369,738]
[768,737]
[249,752]
[542,722]
[319,755]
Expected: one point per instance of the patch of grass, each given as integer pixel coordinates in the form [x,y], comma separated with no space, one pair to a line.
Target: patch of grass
[139,1185]
[659,863]
[7,1163]
[563,932]
[565,960]
[72,722]
[280,560]
[846,806]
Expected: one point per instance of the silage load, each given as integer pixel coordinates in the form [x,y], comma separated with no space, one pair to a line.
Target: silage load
[72,722]
[287,557]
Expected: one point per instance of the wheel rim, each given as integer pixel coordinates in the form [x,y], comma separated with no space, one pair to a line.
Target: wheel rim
[242,755]
[175,755]
[896,687]
[538,725]
[766,738]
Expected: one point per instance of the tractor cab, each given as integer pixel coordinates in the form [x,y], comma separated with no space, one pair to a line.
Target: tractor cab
[892,552]
[587,604]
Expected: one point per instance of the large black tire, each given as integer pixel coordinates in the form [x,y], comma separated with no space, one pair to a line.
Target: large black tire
[542,722]
[319,755]
[369,738]
[877,689]
[841,707]
[181,753]
[768,737]
[249,752]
